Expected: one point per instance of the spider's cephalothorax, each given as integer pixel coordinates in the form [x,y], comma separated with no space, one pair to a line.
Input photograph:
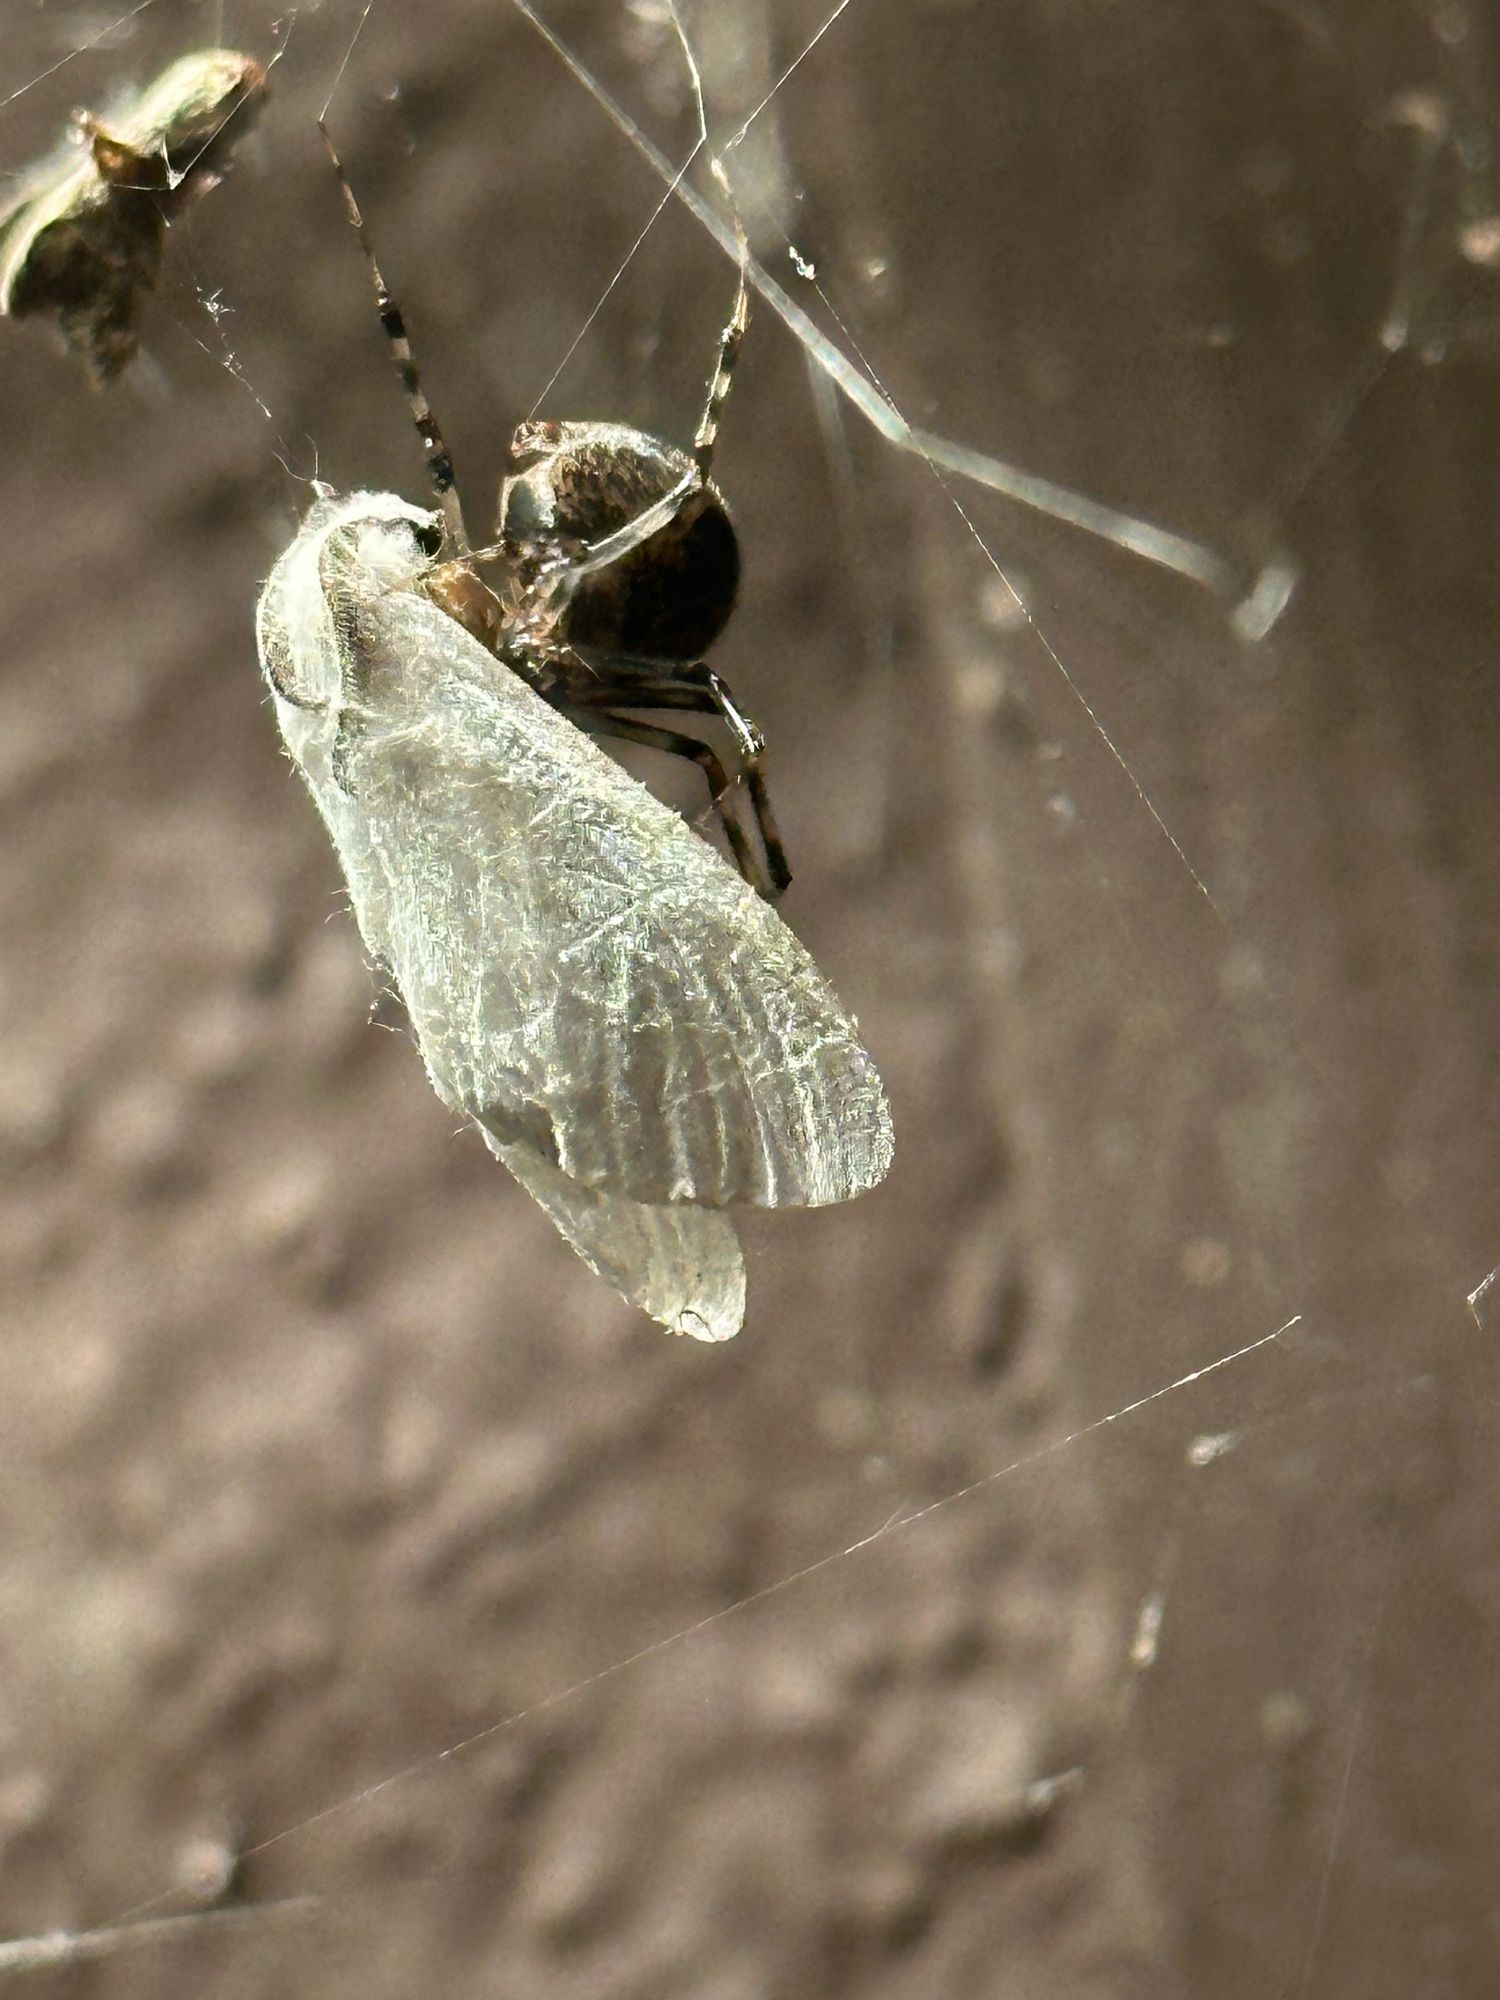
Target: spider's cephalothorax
[573,485]
[622,568]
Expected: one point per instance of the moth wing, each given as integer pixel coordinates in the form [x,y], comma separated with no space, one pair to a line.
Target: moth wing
[587,977]
[681,1265]
[632,1028]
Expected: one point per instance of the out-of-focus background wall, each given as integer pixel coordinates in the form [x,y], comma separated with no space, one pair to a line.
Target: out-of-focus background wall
[376,1587]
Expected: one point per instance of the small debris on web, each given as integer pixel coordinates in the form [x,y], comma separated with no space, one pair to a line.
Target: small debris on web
[83,242]
[1210,1446]
[1478,1293]
[1146,1642]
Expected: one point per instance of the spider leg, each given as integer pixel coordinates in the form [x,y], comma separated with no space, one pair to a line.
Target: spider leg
[434,450]
[714,693]
[603,721]
[748,739]
[729,352]
[704,692]
[645,524]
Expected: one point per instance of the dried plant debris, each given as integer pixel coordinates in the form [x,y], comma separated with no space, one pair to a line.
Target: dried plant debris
[83,241]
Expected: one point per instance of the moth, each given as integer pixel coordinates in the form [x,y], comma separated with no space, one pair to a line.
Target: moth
[83,240]
[633,1028]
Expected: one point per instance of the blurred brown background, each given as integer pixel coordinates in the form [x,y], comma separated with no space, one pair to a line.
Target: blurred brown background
[347,1525]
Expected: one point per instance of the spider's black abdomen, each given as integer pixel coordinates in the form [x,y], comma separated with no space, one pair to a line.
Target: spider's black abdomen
[572,485]
[670,598]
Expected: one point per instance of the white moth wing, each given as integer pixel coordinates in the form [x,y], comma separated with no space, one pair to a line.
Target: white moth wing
[681,1265]
[630,1025]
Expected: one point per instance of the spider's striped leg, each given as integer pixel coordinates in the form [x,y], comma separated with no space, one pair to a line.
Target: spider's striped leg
[440,474]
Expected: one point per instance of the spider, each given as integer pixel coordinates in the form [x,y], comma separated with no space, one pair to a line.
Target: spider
[621,569]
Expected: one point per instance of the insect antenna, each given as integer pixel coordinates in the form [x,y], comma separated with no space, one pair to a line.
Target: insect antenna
[434,450]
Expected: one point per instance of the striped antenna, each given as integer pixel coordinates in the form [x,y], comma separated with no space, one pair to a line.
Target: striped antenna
[434,450]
